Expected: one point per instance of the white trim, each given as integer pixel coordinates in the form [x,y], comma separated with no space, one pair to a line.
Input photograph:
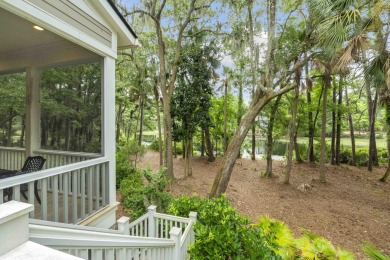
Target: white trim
[121,29]
[45,20]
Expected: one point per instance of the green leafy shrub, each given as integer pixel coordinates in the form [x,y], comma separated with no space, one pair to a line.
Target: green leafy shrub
[382,155]
[317,152]
[345,155]
[222,233]
[269,239]
[132,151]
[131,189]
[154,145]
[124,168]
[361,157]
[219,230]
[315,247]
[138,194]
[303,150]
[179,149]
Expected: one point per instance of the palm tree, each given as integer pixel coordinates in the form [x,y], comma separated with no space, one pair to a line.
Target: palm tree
[359,23]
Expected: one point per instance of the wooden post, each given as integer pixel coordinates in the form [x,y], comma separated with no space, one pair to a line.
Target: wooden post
[123,225]
[193,216]
[151,227]
[108,124]
[176,237]
[33,110]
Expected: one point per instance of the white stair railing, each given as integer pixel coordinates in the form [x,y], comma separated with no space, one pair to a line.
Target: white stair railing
[157,225]
[97,243]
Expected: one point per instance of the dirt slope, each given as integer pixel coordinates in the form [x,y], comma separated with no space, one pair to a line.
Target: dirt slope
[352,207]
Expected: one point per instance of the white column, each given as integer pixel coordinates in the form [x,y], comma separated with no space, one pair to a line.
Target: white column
[33,110]
[108,123]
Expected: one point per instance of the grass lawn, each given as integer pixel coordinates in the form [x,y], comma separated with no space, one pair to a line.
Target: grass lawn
[345,141]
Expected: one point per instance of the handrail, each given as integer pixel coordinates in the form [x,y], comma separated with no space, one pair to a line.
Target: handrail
[138,220]
[186,232]
[171,217]
[69,153]
[56,236]
[18,149]
[17,180]
[38,222]
[58,232]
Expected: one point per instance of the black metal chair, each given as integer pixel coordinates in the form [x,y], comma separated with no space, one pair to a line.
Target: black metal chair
[32,164]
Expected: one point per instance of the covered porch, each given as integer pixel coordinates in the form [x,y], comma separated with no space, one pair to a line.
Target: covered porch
[77,183]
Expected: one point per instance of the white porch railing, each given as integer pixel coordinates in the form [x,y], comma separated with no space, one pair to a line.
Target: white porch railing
[68,193]
[94,243]
[12,158]
[59,158]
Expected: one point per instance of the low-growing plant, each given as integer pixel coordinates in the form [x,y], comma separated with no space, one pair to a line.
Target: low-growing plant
[132,151]
[311,246]
[154,145]
[374,253]
[143,189]
[222,233]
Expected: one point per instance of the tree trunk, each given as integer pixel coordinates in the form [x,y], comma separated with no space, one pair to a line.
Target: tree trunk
[387,119]
[202,146]
[292,128]
[240,106]
[216,148]
[183,149]
[270,141]
[157,104]
[372,145]
[253,154]
[188,158]
[209,146]
[221,181]
[298,157]
[224,146]
[259,100]
[254,61]
[67,134]
[333,142]
[168,159]
[141,121]
[338,125]
[327,82]
[310,151]
[118,125]
[351,130]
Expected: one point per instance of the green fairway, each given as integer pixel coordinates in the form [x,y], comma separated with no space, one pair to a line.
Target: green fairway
[345,141]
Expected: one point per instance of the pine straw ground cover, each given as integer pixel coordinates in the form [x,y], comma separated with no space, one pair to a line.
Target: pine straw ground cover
[350,209]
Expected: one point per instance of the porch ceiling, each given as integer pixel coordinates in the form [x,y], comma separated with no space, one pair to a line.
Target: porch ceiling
[23,46]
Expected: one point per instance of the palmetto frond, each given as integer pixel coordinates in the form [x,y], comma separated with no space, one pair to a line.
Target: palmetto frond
[357,44]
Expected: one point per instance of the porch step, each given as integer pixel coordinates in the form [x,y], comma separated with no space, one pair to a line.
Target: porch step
[104,218]
[14,235]
[31,250]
